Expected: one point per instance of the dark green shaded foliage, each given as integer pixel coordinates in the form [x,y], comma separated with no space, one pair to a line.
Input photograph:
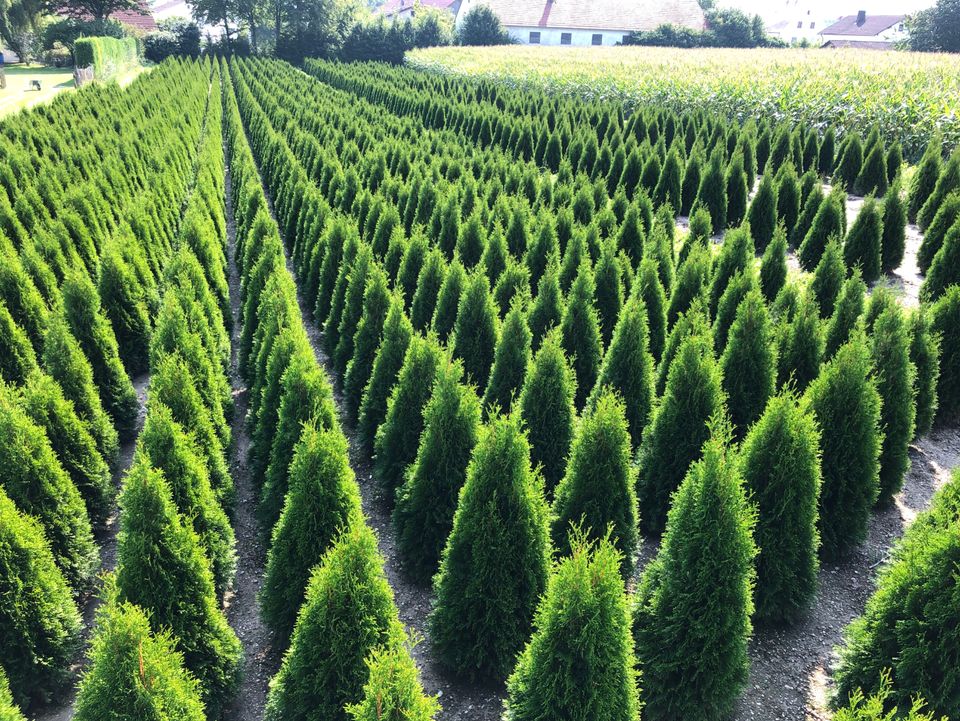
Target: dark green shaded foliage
[366,341]
[924,179]
[511,358]
[609,291]
[736,254]
[742,283]
[945,267]
[862,247]
[849,163]
[846,314]
[894,240]
[547,308]
[872,179]
[945,323]
[925,356]
[650,290]
[763,213]
[828,278]
[947,183]
[125,306]
[737,191]
[773,266]
[942,222]
[829,222]
[691,282]
[800,346]
[788,196]
[712,193]
[475,332]
[580,331]
[749,363]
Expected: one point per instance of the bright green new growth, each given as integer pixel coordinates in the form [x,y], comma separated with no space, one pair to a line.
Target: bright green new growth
[393,691]
[749,363]
[475,332]
[499,541]
[877,708]
[9,711]
[863,245]
[510,361]
[579,663]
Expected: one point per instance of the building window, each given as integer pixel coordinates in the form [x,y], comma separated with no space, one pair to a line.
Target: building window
[597,39]
[813,25]
[535,38]
[566,38]
[800,25]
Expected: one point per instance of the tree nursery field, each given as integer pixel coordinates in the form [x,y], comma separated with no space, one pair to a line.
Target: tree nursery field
[359,392]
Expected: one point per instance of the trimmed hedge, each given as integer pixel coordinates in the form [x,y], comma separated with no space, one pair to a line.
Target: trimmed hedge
[107,56]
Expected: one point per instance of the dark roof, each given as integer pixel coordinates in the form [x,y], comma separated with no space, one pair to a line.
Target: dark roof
[872,25]
[135,19]
[391,7]
[860,44]
[595,14]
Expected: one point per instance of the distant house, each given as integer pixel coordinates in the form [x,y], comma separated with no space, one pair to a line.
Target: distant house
[798,22]
[406,9]
[866,32]
[586,22]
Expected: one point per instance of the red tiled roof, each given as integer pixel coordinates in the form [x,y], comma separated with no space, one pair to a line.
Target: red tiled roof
[872,25]
[140,20]
[595,14]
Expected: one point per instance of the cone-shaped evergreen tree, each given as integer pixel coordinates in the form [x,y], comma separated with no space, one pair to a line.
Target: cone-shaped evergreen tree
[322,498]
[848,310]
[742,283]
[544,246]
[862,247]
[788,196]
[737,191]
[135,674]
[9,711]
[580,330]
[376,305]
[692,636]
[763,213]
[627,368]
[495,255]
[95,336]
[428,285]
[942,222]
[448,300]
[125,306]
[827,147]
[712,194]
[510,361]
[546,403]
[678,429]
[39,622]
[399,436]
[736,254]
[357,283]
[692,281]
[427,501]
[393,691]
[924,178]
[828,278]
[872,179]
[948,182]
[547,308]
[894,240]
[699,234]
[579,662]
[472,241]
[348,612]
[846,403]
[692,175]
[609,291]
[161,568]
[397,332]
[925,356]
[659,249]
[895,375]
[945,323]
[669,185]
[827,223]
[597,494]
[808,211]
[773,266]
[499,540]
[649,288]
[850,162]
[693,322]
[944,270]
[749,363]
[800,346]
[781,470]
[475,332]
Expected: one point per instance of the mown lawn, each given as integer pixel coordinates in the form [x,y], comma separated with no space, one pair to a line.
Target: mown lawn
[17,95]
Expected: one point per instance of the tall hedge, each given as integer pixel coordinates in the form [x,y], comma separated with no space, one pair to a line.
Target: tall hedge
[499,540]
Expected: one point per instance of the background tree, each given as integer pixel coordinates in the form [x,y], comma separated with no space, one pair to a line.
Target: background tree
[99,9]
[482,26]
[935,29]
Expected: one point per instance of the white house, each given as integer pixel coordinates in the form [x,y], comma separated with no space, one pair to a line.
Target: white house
[586,22]
[867,32]
[406,9]
[799,20]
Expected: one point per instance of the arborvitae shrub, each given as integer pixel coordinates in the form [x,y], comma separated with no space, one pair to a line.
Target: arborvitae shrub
[947,182]
[546,403]
[609,291]
[547,308]
[828,278]
[678,429]
[9,711]
[894,240]
[399,436]
[925,356]
[749,363]
[125,306]
[575,255]
[925,178]
[514,284]
[895,377]
[397,332]
[34,479]
[352,309]
[669,185]
[808,211]
[135,674]
[737,191]
[846,314]
[580,330]
[499,540]
[862,247]
[693,322]
[659,249]
[827,147]
[692,637]
[850,162]
[495,255]
[736,254]
[742,283]
[942,222]
[510,361]
[472,241]
[692,175]
[781,470]
[788,196]
[944,270]
[376,306]
[699,234]
[428,285]
[876,706]
[763,213]
[17,357]
[693,277]
[773,266]
[475,332]
[800,346]
[427,501]
[352,258]
[872,179]
[95,336]
[597,495]
[393,690]
[945,322]
[712,194]
[39,622]
[321,499]
[846,403]
[348,612]
[650,290]
[827,223]
[579,663]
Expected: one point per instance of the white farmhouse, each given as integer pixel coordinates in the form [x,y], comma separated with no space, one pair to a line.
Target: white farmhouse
[586,22]
[866,32]
[407,9]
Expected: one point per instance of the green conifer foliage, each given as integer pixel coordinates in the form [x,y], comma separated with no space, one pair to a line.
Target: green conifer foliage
[894,240]
[692,637]
[850,162]
[366,341]
[800,346]
[826,157]
[749,363]
[947,183]
[872,179]
[944,270]
[428,285]
[875,707]
[543,247]
[736,254]
[773,266]
[514,284]
[828,278]
[763,213]
[862,247]
[9,711]
[348,612]
[846,403]
[510,361]
[99,344]
[788,196]
[609,291]
[393,690]
[846,314]
[781,470]
[547,308]
[39,622]
[17,357]
[924,179]
[669,186]
[427,501]
[357,284]
[472,241]
[699,234]
[742,283]
[580,331]
[650,290]
[475,332]
[659,249]
[499,540]
[579,662]
[161,568]
[135,674]
[945,323]
[21,296]
[321,500]
[693,277]
[678,428]
[597,495]
[811,205]
[827,223]
[399,436]
[925,356]
[942,222]
[712,194]
[737,191]
[692,174]
[125,306]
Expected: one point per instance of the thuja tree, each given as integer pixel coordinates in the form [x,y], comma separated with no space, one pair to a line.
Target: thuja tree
[773,266]
[800,346]
[399,436]
[475,332]
[428,285]
[862,247]
[749,363]
[499,540]
[678,429]
[125,305]
[580,331]
[693,322]
[448,300]
[947,182]
[322,499]
[693,277]
[510,360]
[692,638]
[828,278]
[650,289]
[98,343]
[876,706]
[598,493]
[353,307]
[393,689]
[924,179]
[713,192]
[846,403]
[17,357]
[895,376]
[161,568]
[763,213]
[33,478]
[135,673]
[39,621]
[945,322]
[427,501]
[933,237]
[846,313]
[945,267]
[925,355]
[580,661]
[546,404]
[894,240]
[736,255]
[781,471]
[376,306]
[547,308]
[9,711]
[829,221]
